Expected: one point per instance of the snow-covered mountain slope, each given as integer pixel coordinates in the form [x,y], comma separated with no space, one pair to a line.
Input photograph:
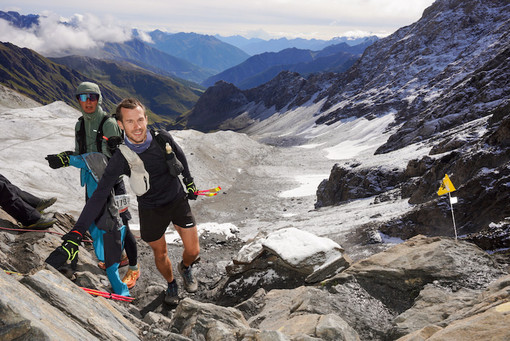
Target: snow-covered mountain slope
[448,68]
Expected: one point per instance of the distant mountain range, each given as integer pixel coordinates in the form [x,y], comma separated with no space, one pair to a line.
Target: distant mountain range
[204,51]
[139,53]
[165,73]
[445,69]
[18,20]
[262,68]
[42,80]
[255,46]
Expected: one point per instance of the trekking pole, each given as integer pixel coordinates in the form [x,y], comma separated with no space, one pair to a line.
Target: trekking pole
[108,295]
[209,192]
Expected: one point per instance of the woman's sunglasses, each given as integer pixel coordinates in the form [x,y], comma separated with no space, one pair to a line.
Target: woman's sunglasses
[85,97]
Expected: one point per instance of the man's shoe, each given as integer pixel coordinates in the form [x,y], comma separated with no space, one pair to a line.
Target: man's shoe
[43,223]
[190,282]
[131,277]
[123,262]
[172,294]
[45,203]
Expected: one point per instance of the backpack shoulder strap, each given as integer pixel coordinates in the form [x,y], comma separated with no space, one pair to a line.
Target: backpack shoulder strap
[99,136]
[80,137]
[159,139]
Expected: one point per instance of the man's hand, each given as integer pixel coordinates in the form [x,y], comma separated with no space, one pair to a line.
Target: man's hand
[113,142]
[191,188]
[59,160]
[68,251]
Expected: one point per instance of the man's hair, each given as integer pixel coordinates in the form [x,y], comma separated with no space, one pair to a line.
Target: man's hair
[128,103]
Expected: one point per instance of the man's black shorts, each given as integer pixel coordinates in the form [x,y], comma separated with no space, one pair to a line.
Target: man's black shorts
[154,221]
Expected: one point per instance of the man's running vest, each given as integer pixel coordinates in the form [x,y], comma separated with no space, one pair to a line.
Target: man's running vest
[139,179]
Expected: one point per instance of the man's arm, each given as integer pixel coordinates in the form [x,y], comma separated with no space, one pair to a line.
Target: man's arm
[69,249]
[179,153]
[188,180]
[110,128]
[114,169]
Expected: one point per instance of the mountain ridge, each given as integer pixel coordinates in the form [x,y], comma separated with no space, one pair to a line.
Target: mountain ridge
[254,46]
[204,51]
[407,65]
[35,76]
[261,68]
[191,56]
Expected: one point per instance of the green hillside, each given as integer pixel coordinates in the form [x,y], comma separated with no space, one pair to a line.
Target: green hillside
[166,97]
[47,80]
[42,80]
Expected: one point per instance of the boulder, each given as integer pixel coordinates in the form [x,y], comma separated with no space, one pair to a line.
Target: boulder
[194,319]
[346,314]
[298,250]
[26,313]
[489,325]
[346,184]
[436,309]
[286,258]
[398,275]
[432,306]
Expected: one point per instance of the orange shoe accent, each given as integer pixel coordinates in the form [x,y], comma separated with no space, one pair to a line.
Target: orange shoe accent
[131,277]
[123,262]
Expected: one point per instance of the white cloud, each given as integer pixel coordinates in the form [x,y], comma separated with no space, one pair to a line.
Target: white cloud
[321,19]
[144,36]
[56,35]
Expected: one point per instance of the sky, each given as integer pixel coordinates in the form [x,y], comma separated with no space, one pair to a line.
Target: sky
[319,19]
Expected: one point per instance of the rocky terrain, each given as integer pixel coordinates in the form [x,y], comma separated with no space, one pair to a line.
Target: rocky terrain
[427,288]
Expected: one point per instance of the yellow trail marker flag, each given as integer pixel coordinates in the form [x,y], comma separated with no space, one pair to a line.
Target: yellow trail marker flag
[446,186]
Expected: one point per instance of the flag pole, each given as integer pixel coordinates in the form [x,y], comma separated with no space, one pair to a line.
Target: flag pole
[453,217]
[447,187]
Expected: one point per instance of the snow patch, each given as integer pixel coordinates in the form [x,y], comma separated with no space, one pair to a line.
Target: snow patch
[294,246]
[359,136]
[227,230]
[309,184]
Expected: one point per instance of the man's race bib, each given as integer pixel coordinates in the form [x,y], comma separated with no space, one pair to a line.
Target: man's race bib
[122,202]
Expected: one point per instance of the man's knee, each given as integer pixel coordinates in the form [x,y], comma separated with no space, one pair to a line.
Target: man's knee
[160,257]
[160,252]
[193,251]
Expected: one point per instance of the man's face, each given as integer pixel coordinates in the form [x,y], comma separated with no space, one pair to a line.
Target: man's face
[88,106]
[134,124]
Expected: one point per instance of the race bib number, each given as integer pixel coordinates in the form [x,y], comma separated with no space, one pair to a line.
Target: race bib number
[122,202]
